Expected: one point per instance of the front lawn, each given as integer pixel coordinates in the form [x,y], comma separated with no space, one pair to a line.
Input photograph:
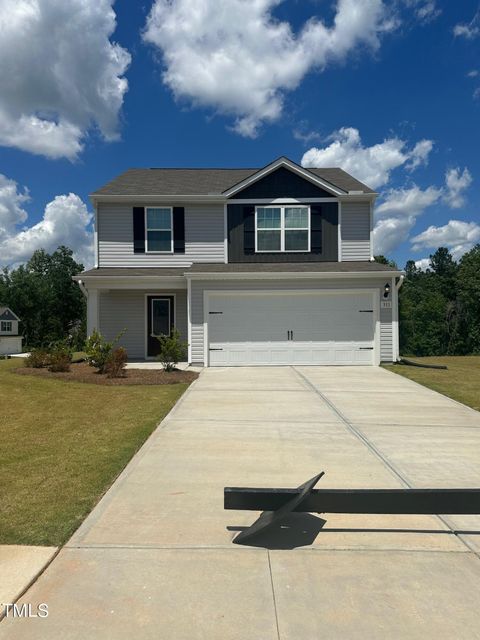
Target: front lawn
[461,381]
[63,444]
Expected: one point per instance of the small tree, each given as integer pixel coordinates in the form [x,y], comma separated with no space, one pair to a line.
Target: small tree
[115,366]
[98,349]
[172,350]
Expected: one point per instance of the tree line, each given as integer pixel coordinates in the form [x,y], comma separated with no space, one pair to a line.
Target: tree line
[48,302]
[439,308]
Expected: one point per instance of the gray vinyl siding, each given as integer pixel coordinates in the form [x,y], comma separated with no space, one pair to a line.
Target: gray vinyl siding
[355,231]
[197,315]
[126,309]
[204,237]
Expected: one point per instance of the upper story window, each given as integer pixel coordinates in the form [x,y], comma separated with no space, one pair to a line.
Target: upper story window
[159,229]
[6,326]
[285,229]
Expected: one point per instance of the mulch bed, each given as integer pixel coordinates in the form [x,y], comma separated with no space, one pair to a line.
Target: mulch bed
[82,372]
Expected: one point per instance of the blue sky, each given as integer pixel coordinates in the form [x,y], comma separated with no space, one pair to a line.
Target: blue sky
[390,91]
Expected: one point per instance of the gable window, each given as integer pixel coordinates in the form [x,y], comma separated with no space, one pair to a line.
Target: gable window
[284,229]
[6,326]
[159,229]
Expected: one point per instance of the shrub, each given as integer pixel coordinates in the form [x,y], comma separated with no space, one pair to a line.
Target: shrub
[98,350]
[59,361]
[38,358]
[60,356]
[115,366]
[172,350]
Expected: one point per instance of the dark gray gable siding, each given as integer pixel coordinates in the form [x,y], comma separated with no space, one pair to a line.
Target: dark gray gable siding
[282,183]
[329,235]
[7,315]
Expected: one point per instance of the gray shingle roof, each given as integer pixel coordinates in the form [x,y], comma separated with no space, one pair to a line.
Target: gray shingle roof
[203,182]
[241,267]
[282,267]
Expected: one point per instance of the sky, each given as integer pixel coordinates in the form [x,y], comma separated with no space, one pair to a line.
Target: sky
[387,90]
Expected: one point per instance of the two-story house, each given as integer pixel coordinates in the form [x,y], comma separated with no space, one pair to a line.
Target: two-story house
[268,266]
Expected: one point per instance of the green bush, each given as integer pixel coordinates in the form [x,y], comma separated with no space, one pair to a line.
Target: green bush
[98,350]
[38,358]
[172,350]
[115,366]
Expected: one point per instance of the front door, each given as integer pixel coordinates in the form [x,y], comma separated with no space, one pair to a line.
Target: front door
[160,320]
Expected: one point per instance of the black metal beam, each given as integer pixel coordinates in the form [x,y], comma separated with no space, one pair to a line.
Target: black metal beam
[382,501]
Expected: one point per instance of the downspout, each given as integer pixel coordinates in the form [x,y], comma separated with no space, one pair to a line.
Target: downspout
[398,285]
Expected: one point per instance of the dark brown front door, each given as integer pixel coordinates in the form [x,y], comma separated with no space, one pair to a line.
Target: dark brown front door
[160,316]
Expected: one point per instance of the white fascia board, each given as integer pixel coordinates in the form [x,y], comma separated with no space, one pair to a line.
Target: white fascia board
[132,282]
[284,162]
[279,275]
[96,199]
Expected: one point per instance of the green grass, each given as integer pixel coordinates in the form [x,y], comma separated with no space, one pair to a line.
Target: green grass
[461,381]
[62,445]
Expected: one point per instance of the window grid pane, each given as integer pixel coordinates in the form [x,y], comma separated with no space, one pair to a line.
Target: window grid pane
[159,219]
[296,240]
[268,218]
[296,218]
[159,240]
[269,240]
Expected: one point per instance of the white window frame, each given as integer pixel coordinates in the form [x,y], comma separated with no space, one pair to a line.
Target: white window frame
[282,228]
[147,229]
[8,323]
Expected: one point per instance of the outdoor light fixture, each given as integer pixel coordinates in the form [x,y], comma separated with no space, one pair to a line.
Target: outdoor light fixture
[386,290]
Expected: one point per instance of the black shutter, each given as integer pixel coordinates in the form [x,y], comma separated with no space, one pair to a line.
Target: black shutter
[178,230]
[138,230]
[316,228]
[249,230]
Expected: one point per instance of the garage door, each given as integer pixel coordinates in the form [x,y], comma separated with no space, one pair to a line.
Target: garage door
[265,328]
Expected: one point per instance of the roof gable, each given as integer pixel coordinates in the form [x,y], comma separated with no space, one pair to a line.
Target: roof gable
[282,183]
[285,169]
[7,314]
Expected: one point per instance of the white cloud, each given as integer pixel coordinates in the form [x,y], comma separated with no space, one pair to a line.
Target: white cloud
[60,73]
[470,30]
[457,235]
[235,57]
[456,183]
[423,264]
[424,10]
[372,165]
[66,220]
[473,73]
[397,214]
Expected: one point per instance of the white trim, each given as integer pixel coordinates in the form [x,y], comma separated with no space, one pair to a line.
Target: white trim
[279,201]
[283,229]
[147,230]
[219,198]
[189,319]
[225,233]
[134,282]
[5,322]
[395,321]
[339,227]
[207,293]
[158,294]
[278,275]
[95,236]
[283,162]
[371,232]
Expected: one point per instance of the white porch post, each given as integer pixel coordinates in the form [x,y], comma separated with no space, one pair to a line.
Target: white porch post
[92,311]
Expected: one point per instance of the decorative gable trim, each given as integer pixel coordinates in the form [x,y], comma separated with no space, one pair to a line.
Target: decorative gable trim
[292,166]
[7,314]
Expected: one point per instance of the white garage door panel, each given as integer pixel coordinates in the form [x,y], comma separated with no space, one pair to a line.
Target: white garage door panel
[328,328]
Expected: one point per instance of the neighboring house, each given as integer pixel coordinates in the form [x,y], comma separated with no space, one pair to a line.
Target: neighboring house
[253,266]
[10,341]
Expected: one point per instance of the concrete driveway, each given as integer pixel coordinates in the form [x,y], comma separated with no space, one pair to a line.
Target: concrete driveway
[155,558]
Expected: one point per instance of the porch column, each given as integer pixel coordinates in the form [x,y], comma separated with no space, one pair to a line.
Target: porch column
[92,311]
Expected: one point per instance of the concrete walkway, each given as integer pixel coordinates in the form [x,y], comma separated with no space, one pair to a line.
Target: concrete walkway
[155,559]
